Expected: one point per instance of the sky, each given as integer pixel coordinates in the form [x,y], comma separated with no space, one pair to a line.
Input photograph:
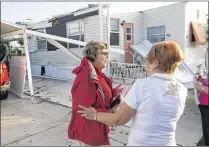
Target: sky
[37,11]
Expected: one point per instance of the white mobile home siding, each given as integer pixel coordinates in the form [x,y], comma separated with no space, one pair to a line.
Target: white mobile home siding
[129,17]
[172,16]
[32,44]
[92,28]
[59,58]
[113,55]
[195,53]
[57,64]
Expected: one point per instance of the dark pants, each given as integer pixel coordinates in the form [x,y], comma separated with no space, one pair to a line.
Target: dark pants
[204,110]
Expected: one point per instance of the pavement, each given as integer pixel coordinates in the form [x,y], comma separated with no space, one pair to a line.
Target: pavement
[42,120]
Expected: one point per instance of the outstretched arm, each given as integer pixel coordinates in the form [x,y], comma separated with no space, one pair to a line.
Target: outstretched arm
[125,112]
[120,117]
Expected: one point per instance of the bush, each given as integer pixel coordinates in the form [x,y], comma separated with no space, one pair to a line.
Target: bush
[4,48]
[21,42]
[16,52]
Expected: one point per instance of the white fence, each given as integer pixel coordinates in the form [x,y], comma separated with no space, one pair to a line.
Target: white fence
[127,72]
[123,72]
[55,72]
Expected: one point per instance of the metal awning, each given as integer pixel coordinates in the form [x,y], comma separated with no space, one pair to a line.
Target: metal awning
[9,27]
[185,77]
[9,30]
[198,33]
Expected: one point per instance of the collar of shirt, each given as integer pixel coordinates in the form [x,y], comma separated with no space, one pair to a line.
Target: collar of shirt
[164,76]
[99,72]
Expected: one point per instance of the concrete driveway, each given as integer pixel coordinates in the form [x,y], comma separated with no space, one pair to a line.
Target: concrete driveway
[43,119]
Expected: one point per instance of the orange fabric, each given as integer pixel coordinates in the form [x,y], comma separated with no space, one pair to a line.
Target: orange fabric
[4,74]
[198,33]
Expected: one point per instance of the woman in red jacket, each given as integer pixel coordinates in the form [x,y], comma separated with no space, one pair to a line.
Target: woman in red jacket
[92,88]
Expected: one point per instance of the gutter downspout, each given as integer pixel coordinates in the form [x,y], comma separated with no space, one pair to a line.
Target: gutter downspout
[100,20]
[108,36]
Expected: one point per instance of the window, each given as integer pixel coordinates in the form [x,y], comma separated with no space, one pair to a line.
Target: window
[156,34]
[75,30]
[41,41]
[76,37]
[128,34]
[114,32]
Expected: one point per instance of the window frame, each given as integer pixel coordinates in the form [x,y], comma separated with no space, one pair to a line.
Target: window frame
[116,32]
[38,39]
[82,28]
[68,44]
[157,34]
[129,34]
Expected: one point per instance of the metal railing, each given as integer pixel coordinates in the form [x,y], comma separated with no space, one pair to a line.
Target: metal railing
[127,71]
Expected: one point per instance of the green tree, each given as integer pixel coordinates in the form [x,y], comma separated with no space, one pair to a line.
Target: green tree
[4,48]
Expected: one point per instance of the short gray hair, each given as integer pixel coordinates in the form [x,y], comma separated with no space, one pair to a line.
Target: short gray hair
[92,48]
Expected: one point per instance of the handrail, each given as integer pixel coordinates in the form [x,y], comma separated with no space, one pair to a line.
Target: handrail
[127,71]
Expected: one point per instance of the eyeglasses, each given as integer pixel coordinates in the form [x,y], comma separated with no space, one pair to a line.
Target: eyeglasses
[104,53]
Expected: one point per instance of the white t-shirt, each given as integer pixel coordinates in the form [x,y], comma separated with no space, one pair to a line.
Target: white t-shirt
[159,101]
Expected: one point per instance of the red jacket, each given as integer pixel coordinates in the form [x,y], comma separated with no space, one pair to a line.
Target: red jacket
[87,91]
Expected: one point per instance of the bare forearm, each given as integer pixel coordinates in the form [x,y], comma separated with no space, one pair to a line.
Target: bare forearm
[120,117]
[115,119]
[108,118]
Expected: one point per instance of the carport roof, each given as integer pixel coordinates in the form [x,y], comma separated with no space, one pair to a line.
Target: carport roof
[7,27]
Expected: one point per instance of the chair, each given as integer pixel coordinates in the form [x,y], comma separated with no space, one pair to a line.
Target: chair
[116,69]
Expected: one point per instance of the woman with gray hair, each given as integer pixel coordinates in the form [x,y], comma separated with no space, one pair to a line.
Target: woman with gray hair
[92,88]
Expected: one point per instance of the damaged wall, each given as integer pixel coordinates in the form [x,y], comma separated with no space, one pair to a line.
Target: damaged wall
[172,17]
